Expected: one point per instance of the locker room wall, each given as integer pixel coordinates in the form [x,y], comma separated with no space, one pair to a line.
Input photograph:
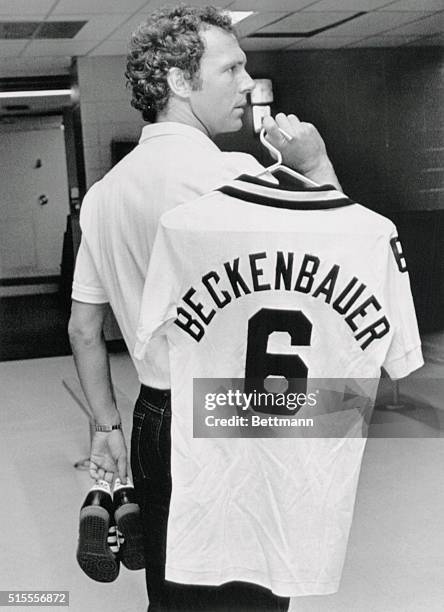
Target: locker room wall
[381,113]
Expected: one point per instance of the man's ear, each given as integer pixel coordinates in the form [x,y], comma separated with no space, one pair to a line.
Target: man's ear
[177,83]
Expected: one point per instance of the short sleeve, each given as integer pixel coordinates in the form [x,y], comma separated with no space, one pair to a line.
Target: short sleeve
[404,354]
[162,289]
[86,286]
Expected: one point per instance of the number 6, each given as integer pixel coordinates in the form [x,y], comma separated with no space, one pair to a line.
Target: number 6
[260,364]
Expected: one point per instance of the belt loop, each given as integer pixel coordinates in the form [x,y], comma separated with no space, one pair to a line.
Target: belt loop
[154,395]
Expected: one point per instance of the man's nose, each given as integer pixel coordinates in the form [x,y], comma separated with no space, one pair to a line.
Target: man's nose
[247,84]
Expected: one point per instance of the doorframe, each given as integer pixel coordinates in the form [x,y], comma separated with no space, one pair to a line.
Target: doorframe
[73,139]
[71,120]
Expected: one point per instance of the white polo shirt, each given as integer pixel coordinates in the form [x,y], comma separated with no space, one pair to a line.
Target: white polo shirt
[172,164]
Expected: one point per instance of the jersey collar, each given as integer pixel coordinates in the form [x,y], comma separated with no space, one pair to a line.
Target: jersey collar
[289,193]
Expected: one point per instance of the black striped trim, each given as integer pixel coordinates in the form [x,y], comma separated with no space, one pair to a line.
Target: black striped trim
[292,193]
[286,183]
[289,204]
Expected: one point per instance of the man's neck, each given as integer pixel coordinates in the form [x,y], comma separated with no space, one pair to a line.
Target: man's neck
[182,115]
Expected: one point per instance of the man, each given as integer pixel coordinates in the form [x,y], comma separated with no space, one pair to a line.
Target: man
[188,78]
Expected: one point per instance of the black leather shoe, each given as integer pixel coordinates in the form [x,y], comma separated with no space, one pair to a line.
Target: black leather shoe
[129,524]
[97,537]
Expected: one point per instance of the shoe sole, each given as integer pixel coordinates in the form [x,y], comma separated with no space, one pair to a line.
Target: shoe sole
[93,553]
[128,522]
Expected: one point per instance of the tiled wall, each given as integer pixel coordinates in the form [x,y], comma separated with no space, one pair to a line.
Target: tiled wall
[381,112]
[106,112]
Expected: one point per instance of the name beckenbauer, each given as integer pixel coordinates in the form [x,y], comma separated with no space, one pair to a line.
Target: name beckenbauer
[348,297]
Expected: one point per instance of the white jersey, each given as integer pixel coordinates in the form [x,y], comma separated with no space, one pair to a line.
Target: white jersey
[253,281]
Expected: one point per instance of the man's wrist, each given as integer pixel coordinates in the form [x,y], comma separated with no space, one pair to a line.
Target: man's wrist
[319,167]
[323,173]
[308,167]
[107,420]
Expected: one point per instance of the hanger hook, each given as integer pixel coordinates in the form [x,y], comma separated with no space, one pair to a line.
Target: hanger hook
[272,149]
[278,154]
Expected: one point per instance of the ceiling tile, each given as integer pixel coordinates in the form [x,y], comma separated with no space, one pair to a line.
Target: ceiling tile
[428,41]
[431,25]
[152,4]
[255,22]
[130,24]
[96,28]
[53,47]
[266,5]
[373,23]
[111,47]
[306,22]
[269,44]
[103,7]
[10,48]
[19,30]
[124,31]
[383,41]
[38,8]
[414,5]
[59,29]
[322,42]
[14,18]
[348,5]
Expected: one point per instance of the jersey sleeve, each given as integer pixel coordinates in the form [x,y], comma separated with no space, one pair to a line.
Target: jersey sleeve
[161,291]
[404,354]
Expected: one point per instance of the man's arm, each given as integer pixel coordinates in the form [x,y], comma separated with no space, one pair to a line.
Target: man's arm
[305,152]
[108,449]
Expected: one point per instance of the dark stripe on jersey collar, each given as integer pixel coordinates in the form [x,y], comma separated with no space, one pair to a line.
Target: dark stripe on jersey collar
[286,183]
[290,204]
[290,199]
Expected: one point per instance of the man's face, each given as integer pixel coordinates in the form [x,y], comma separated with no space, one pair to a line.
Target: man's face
[224,83]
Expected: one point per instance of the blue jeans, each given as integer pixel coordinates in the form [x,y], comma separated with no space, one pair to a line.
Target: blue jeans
[150,465]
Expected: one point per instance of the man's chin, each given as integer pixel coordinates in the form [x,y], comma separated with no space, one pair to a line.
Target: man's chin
[235,127]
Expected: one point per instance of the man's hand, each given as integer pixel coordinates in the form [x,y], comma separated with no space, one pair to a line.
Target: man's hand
[108,455]
[305,152]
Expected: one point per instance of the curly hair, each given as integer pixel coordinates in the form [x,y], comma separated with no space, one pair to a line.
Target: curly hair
[169,38]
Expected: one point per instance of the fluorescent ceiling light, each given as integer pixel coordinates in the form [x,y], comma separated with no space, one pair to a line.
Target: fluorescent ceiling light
[36,93]
[237,16]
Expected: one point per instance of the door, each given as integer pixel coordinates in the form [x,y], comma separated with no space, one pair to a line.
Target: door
[34,201]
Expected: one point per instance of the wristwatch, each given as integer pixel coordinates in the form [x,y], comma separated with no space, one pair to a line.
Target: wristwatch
[107,428]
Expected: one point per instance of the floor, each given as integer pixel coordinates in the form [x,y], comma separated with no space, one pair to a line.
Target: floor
[395,559]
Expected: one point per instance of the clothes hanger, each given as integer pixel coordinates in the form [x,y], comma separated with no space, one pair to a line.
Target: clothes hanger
[278,165]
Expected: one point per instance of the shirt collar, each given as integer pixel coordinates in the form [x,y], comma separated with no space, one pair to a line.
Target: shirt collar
[173,128]
[292,194]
